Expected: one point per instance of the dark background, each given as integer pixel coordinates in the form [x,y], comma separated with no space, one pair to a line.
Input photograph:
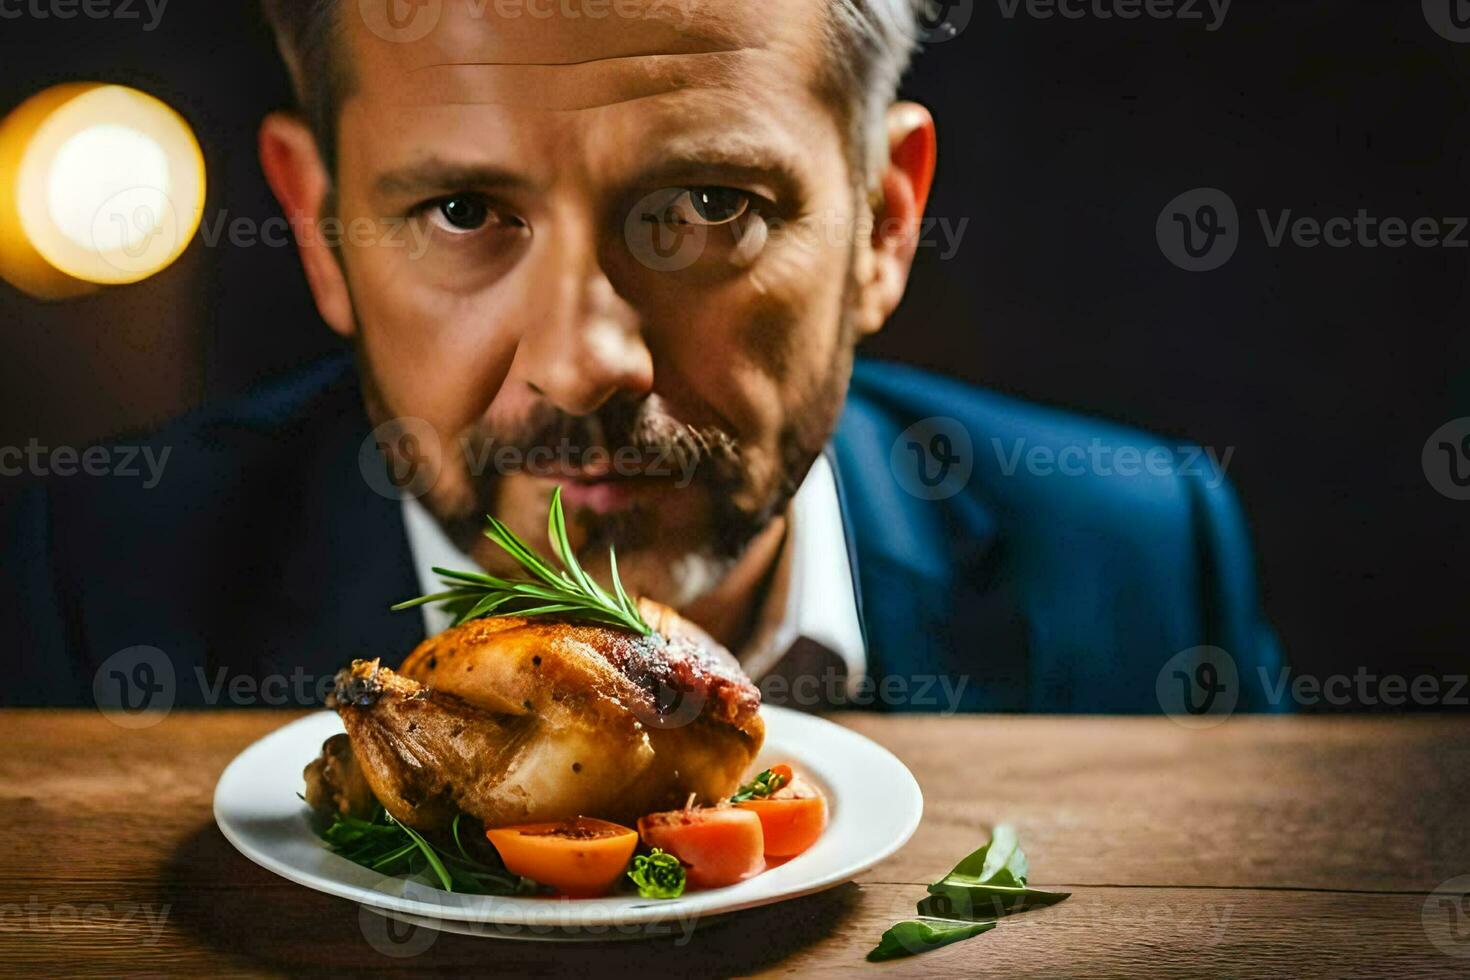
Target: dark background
[1061,140]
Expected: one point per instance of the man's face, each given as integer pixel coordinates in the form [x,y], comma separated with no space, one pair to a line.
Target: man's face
[627,273]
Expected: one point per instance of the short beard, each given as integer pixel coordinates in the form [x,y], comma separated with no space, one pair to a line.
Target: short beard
[713,455]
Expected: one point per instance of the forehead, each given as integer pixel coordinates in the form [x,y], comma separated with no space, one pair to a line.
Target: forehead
[669,64]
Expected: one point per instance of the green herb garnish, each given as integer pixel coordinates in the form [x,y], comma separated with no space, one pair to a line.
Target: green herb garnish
[658,875]
[566,591]
[989,883]
[760,787]
[383,844]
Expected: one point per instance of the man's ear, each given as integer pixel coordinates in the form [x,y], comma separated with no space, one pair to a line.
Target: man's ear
[901,193]
[294,169]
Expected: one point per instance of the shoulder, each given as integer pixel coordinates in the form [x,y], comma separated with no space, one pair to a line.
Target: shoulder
[1121,547]
[288,408]
[120,540]
[136,500]
[1029,461]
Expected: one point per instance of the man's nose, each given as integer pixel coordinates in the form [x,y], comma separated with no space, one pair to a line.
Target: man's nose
[586,344]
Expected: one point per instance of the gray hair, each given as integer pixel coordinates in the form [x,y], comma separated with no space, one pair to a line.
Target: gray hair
[869,43]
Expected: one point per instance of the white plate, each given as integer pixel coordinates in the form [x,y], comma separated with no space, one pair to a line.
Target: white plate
[875,806]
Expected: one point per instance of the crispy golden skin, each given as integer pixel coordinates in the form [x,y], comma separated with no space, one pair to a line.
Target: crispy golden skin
[513,720]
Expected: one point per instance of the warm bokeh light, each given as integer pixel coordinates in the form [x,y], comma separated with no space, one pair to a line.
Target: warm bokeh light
[99,185]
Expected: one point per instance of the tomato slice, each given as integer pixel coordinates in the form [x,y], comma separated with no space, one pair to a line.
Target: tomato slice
[717,845]
[792,816]
[581,858]
[789,824]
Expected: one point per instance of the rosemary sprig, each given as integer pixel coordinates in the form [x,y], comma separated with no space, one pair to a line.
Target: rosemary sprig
[567,591]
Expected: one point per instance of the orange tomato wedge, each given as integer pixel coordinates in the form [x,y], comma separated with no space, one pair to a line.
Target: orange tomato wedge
[581,858]
[717,845]
[790,824]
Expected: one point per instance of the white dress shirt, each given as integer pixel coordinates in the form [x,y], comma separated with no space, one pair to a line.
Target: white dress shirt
[811,596]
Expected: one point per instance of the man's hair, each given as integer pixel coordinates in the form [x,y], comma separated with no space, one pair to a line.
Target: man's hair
[869,44]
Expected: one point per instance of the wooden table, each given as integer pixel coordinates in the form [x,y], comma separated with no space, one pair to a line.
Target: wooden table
[1264,847]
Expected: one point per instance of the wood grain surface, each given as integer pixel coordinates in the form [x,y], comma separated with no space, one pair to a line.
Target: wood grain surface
[1264,847]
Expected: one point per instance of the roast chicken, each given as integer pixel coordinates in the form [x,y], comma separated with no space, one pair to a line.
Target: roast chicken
[513,720]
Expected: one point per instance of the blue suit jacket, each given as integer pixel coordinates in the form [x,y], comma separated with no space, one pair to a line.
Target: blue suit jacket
[262,551]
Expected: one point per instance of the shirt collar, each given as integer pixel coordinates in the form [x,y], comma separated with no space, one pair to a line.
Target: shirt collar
[812,595]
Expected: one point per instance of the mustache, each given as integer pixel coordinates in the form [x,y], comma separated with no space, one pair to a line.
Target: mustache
[625,437]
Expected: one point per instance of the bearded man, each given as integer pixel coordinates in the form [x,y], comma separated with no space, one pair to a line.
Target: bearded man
[627,250]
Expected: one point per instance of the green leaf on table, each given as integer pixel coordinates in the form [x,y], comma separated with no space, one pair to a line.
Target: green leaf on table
[989,883]
[1000,861]
[975,902]
[914,936]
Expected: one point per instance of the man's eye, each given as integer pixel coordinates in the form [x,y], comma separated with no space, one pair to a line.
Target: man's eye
[461,213]
[705,206]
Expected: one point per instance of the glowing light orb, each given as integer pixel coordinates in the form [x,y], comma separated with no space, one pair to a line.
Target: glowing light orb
[99,185]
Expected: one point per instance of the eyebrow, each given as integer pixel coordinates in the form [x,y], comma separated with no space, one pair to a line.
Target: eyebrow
[442,176]
[682,158]
[697,158]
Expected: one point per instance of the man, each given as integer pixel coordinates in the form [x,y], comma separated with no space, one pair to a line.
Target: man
[627,251]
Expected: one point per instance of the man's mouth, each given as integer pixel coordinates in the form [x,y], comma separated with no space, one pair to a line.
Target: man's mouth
[609,493]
